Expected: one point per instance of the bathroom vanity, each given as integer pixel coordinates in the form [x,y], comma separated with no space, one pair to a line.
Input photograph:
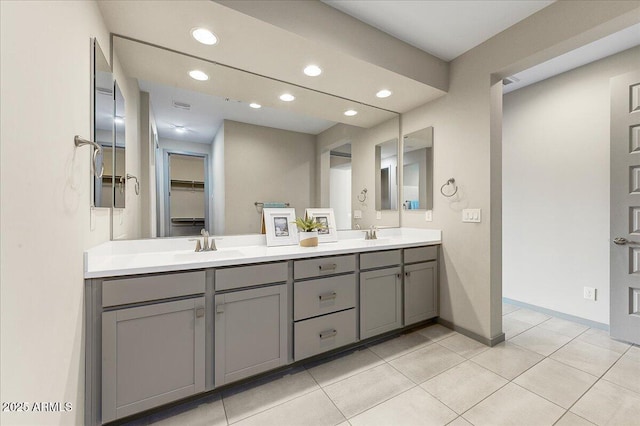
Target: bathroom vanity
[164,322]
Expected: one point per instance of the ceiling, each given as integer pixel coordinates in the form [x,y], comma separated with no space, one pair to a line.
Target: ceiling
[445,29]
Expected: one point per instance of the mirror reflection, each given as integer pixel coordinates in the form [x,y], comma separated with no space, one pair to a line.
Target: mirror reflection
[417,176]
[119,174]
[256,148]
[340,181]
[387,175]
[103,110]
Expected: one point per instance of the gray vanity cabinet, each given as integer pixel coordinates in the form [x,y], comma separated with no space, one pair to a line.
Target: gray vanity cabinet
[420,284]
[152,355]
[380,293]
[250,332]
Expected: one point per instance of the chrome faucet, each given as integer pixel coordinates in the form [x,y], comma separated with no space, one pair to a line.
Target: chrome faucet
[205,243]
[371,233]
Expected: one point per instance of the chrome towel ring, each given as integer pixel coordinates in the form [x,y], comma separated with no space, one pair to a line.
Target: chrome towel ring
[451,182]
[362,197]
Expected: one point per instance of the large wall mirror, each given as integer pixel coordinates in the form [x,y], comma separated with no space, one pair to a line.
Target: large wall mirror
[103,114]
[417,176]
[251,147]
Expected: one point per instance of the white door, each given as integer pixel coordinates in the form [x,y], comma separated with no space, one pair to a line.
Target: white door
[625,208]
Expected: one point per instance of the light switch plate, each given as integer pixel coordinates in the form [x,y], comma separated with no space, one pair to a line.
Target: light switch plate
[428,216]
[472,215]
[378,215]
[357,214]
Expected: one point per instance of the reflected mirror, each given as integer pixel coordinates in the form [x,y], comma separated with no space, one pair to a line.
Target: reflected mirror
[119,151]
[387,175]
[417,177]
[103,110]
[258,150]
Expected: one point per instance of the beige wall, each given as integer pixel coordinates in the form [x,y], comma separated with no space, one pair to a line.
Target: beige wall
[216,206]
[556,189]
[467,146]
[46,220]
[265,165]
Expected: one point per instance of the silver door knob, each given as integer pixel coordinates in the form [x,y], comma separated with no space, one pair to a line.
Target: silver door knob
[623,241]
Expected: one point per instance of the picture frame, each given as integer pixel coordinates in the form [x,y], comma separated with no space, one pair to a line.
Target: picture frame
[327,217]
[279,226]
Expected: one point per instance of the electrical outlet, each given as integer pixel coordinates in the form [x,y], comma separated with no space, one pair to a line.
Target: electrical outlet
[357,214]
[378,215]
[590,293]
[428,216]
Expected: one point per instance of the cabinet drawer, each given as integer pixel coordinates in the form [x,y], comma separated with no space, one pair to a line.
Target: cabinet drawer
[420,254]
[323,334]
[324,266]
[380,259]
[323,296]
[153,287]
[247,276]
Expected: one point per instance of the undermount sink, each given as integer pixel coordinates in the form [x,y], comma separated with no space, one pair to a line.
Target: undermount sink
[208,255]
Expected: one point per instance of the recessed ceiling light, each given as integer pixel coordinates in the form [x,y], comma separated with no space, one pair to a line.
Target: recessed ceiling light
[350,112]
[384,93]
[198,75]
[312,70]
[204,36]
[179,129]
[287,97]
[255,105]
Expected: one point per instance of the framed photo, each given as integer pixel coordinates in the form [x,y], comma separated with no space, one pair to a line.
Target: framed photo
[327,218]
[280,227]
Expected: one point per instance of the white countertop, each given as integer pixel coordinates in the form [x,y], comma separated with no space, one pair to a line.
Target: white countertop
[119,258]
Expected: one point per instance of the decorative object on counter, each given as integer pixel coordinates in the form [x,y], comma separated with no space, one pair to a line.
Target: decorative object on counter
[309,229]
[325,216]
[277,224]
[451,182]
[269,205]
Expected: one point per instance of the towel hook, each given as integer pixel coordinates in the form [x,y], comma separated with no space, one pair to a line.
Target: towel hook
[452,182]
[97,149]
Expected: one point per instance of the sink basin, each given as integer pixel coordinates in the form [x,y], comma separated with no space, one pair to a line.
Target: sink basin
[207,255]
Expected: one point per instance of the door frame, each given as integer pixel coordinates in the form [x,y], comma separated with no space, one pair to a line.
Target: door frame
[166,185]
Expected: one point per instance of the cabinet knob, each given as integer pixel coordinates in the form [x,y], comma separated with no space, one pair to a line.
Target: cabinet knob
[399,276]
[199,312]
[407,274]
[220,309]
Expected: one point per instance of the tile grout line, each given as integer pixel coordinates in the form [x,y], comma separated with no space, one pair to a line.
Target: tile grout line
[327,395]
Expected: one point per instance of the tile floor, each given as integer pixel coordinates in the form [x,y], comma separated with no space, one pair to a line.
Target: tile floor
[549,371]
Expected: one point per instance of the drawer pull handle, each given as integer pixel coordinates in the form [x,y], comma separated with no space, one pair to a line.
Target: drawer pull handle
[327,296]
[328,333]
[199,312]
[328,267]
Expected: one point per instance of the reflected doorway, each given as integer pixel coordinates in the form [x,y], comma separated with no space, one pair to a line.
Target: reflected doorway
[340,185]
[186,207]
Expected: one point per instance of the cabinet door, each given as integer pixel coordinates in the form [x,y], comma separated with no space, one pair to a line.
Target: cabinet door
[380,301]
[250,332]
[152,355]
[420,292]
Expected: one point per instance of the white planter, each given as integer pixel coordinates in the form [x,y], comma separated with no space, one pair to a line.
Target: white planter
[308,239]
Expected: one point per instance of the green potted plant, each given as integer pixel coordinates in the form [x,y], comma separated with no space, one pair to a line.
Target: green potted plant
[308,228]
